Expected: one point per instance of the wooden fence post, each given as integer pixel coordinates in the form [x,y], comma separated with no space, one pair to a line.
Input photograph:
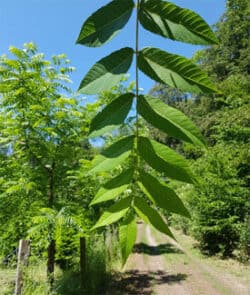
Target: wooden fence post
[22,261]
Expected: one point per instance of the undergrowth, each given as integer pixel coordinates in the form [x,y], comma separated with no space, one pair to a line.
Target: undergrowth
[102,256]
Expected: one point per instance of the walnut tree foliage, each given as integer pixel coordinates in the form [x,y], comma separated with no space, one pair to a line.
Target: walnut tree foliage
[143,155]
[42,129]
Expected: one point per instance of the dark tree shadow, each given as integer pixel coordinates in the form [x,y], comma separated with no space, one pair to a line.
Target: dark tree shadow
[156,250]
[132,282]
[138,282]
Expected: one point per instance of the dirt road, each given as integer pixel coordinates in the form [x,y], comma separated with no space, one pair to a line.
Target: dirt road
[161,266]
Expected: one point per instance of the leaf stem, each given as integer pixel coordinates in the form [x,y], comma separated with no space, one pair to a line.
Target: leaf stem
[137,80]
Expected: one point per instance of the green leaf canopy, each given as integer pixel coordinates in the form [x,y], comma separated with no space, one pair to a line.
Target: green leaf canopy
[112,115]
[114,213]
[113,156]
[165,160]
[176,23]
[151,216]
[173,70]
[169,120]
[107,72]
[114,187]
[105,23]
[127,236]
[162,195]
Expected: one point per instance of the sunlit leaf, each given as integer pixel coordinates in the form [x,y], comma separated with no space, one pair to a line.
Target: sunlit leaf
[163,159]
[112,115]
[114,155]
[171,21]
[161,194]
[127,236]
[107,72]
[114,213]
[113,188]
[151,216]
[174,70]
[169,120]
[105,23]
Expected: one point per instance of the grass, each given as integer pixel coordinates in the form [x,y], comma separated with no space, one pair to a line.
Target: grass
[7,280]
[67,282]
[232,266]
[208,267]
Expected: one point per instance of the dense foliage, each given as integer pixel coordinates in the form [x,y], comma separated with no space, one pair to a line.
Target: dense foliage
[44,190]
[220,204]
[51,192]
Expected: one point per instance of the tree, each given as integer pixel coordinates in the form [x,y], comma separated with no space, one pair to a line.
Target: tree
[220,203]
[42,138]
[230,56]
[143,154]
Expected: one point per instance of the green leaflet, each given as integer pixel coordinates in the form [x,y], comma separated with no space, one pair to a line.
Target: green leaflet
[173,70]
[171,21]
[151,216]
[169,120]
[162,195]
[114,187]
[105,23]
[163,159]
[127,236]
[107,72]
[114,213]
[112,115]
[113,156]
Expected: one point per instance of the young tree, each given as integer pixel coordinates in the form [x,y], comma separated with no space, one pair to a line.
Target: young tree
[43,136]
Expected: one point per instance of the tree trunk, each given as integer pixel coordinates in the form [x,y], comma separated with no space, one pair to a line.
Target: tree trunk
[83,261]
[51,262]
[52,245]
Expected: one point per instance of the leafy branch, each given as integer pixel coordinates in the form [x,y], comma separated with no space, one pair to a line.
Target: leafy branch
[169,21]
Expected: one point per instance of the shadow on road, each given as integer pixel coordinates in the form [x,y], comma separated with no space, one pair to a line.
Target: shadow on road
[138,282]
[143,248]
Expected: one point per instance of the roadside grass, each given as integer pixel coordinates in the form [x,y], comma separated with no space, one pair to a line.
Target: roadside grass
[7,280]
[232,266]
[204,264]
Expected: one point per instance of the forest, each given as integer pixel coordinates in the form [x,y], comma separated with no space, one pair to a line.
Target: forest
[104,191]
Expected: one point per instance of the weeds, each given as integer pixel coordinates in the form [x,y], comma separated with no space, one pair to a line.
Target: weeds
[101,258]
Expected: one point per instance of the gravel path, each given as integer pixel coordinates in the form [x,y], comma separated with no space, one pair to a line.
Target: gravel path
[161,266]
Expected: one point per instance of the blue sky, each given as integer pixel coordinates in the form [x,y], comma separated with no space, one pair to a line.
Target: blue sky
[54,26]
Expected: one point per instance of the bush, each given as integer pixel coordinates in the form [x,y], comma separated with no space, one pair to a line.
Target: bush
[245,240]
[218,203]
